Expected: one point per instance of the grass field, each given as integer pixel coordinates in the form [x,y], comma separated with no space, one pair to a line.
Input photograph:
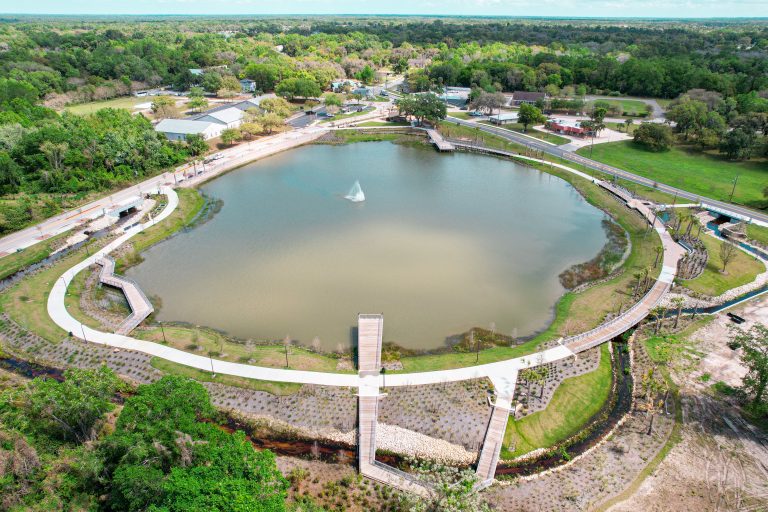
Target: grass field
[208,341]
[575,401]
[632,108]
[344,117]
[127,102]
[708,175]
[754,232]
[741,270]
[384,123]
[275,388]
[545,136]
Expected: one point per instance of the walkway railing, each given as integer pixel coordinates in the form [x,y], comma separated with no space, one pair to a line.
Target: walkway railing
[140,305]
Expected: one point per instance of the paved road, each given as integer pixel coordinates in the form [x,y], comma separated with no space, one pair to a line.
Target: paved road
[745,213]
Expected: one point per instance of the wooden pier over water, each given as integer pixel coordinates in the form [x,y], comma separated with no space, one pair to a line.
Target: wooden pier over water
[440,143]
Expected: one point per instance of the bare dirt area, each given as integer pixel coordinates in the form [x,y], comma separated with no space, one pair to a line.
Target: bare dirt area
[721,461]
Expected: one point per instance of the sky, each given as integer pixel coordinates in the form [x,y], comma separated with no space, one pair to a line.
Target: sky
[559,8]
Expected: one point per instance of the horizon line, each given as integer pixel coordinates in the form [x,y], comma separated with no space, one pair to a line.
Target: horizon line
[414,15]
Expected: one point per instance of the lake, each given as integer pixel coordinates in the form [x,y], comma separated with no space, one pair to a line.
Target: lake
[442,243]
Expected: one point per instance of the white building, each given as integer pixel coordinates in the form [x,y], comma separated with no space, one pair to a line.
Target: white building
[229,117]
[178,129]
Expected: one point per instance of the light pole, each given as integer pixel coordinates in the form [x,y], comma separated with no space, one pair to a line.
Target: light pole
[82,329]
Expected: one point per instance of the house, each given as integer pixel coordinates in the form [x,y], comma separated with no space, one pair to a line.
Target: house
[247,85]
[343,83]
[230,117]
[568,127]
[505,118]
[520,97]
[196,71]
[178,129]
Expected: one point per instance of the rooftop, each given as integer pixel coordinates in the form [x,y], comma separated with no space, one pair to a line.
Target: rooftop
[186,126]
[227,115]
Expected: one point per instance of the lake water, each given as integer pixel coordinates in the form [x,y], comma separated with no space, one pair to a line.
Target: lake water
[443,242]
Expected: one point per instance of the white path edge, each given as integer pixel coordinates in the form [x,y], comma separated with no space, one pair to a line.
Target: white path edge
[502,373]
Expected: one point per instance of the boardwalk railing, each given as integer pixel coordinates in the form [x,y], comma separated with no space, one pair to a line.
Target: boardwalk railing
[140,305]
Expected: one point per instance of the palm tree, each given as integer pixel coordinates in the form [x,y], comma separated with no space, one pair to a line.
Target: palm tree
[659,251]
[678,303]
[658,314]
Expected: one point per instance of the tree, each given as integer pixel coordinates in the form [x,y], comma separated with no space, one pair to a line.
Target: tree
[727,252]
[211,81]
[738,143]
[230,135]
[54,152]
[271,121]
[423,107]
[196,92]
[198,103]
[332,102]
[488,102]
[251,129]
[597,118]
[627,124]
[298,88]
[754,356]
[164,106]
[276,106]
[366,75]
[196,144]
[654,136]
[70,409]
[678,302]
[529,115]
[689,116]
[230,87]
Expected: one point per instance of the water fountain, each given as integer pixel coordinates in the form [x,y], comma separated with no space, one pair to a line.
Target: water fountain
[356,194]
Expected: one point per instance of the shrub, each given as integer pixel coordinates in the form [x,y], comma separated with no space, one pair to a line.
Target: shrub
[654,136]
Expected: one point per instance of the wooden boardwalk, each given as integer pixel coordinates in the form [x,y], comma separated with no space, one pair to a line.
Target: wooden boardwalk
[440,143]
[494,439]
[140,306]
[370,329]
[369,333]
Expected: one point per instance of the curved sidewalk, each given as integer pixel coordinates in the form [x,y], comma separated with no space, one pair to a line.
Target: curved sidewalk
[501,373]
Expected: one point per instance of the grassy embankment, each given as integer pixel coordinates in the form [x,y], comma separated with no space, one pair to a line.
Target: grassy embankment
[12,263]
[344,117]
[531,132]
[757,233]
[740,271]
[574,402]
[705,174]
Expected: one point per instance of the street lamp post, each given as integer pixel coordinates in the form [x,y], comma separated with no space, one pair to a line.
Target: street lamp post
[82,329]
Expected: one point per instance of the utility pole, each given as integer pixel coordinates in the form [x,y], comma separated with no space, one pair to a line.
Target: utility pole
[735,181]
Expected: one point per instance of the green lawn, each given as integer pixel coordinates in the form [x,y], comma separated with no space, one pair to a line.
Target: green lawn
[127,102]
[545,136]
[575,401]
[754,232]
[208,341]
[344,117]
[275,388]
[708,175]
[632,108]
[741,270]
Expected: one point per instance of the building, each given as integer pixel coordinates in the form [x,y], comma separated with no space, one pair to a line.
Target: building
[244,105]
[568,127]
[196,71]
[505,118]
[179,129]
[248,85]
[230,117]
[520,97]
[344,83]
